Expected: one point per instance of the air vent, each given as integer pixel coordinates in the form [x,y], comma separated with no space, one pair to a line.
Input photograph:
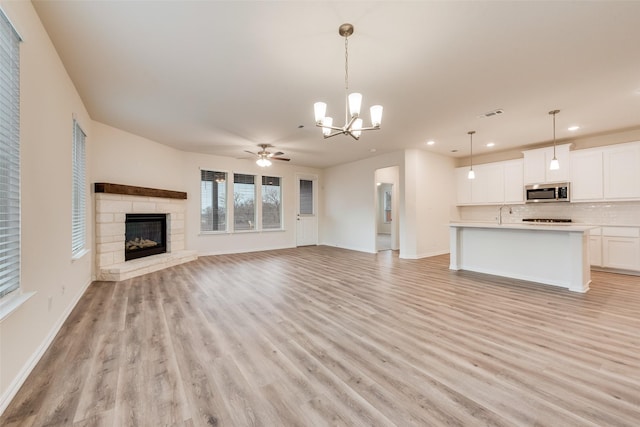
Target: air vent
[491,113]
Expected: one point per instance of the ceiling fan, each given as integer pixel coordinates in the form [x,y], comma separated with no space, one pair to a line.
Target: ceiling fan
[265,157]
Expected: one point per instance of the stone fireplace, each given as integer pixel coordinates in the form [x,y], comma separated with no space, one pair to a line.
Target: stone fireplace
[114,204]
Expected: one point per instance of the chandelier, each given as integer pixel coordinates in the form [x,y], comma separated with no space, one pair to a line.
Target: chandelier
[353,122]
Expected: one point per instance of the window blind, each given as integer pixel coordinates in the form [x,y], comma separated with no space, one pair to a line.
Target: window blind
[78,204]
[306,197]
[9,157]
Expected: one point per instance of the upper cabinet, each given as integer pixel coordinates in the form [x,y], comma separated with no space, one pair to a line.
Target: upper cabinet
[536,165]
[586,175]
[513,181]
[621,168]
[495,183]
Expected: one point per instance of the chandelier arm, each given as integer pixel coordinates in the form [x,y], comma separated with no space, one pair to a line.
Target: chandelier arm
[371,128]
[341,129]
[353,136]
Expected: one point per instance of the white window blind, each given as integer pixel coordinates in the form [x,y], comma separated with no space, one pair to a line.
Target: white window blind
[244,202]
[213,201]
[9,157]
[306,197]
[271,202]
[78,208]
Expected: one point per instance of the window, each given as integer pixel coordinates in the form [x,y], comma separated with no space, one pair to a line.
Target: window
[244,202]
[306,197]
[271,202]
[9,157]
[78,203]
[213,201]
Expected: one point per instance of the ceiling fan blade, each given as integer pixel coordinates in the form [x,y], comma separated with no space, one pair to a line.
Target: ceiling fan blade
[277,153]
[250,152]
[280,158]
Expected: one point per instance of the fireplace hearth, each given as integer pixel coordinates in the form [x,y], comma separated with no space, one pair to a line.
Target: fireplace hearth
[145,235]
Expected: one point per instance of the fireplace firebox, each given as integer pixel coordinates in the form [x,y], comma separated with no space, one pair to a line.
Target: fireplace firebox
[145,235]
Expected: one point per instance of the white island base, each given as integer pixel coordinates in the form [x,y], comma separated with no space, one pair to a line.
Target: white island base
[551,254]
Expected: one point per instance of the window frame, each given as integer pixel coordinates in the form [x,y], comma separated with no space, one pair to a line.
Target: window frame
[262,203]
[226,201]
[254,221]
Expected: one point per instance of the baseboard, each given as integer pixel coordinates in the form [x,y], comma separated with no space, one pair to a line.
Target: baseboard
[243,251]
[19,380]
[425,254]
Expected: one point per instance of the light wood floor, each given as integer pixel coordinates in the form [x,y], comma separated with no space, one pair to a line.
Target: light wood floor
[324,336]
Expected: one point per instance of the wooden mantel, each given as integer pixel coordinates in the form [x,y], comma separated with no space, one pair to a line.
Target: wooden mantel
[130,190]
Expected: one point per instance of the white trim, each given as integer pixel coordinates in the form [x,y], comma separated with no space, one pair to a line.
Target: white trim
[10,302]
[19,379]
[15,30]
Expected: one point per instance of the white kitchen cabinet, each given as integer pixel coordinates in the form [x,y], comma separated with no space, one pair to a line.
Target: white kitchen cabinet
[536,165]
[495,183]
[595,247]
[463,186]
[488,186]
[513,181]
[587,183]
[621,247]
[622,171]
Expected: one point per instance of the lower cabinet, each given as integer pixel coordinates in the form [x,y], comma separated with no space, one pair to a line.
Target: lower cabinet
[595,247]
[621,248]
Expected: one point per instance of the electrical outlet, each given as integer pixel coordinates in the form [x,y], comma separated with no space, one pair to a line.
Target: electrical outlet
[64,288]
[50,303]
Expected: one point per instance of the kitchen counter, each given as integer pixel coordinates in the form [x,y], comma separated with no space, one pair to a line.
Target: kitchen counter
[552,254]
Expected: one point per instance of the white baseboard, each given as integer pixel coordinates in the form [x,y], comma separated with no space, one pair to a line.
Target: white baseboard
[17,382]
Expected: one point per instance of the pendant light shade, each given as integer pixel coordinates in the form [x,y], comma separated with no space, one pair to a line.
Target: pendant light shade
[472,174]
[555,164]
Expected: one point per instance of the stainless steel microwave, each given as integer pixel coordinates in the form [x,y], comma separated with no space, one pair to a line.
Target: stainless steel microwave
[536,193]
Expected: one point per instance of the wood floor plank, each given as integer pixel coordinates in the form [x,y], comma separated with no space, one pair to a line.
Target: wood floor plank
[321,336]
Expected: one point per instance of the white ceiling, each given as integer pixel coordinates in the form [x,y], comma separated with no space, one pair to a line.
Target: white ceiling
[220,77]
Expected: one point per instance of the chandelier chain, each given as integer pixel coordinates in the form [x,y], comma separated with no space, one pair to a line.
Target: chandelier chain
[346,63]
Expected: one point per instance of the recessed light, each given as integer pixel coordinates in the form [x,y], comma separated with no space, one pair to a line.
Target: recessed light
[372,150]
[454,151]
[573,128]
[490,144]
[431,142]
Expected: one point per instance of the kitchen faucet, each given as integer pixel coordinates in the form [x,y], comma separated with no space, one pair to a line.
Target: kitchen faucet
[500,213]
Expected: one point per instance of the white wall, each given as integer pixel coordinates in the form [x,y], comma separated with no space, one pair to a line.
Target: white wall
[120,157]
[429,204]
[48,102]
[219,243]
[124,158]
[349,214]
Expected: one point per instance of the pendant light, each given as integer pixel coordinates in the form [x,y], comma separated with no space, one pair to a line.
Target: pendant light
[555,164]
[472,174]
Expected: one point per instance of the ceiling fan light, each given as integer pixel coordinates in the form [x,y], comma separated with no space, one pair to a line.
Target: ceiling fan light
[263,162]
[355,101]
[376,115]
[320,109]
[326,129]
[554,165]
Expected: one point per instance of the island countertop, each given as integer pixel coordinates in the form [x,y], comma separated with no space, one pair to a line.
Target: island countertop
[563,227]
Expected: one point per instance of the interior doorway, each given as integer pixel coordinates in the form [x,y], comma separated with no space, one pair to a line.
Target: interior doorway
[387,212]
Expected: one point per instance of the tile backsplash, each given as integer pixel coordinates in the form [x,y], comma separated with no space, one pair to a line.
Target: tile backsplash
[605,213]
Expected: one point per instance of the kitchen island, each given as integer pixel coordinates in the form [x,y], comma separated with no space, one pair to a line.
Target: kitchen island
[551,254]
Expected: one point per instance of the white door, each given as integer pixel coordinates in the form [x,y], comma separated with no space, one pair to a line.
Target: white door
[306,217]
